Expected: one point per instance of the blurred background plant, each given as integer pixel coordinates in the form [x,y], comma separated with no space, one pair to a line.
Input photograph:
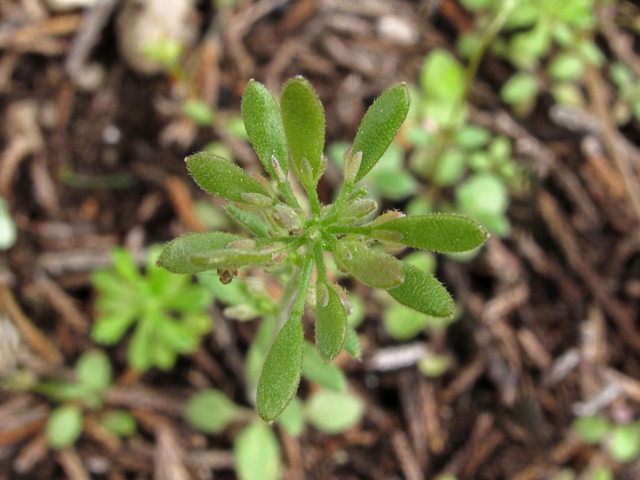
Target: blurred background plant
[170,313]
[549,43]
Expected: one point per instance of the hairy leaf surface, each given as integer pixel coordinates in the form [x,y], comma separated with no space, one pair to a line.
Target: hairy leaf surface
[281,372]
[304,123]
[439,232]
[331,322]
[372,267]
[175,256]
[380,125]
[264,126]
[422,292]
[222,178]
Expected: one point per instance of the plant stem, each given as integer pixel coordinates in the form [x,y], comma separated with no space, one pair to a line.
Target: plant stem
[346,190]
[318,253]
[307,269]
[314,201]
[337,229]
[285,188]
[492,30]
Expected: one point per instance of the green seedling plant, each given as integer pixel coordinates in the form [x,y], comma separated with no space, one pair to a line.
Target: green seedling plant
[621,442]
[449,152]
[532,31]
[168,313]
[84,394]
[257,451]
[288,238]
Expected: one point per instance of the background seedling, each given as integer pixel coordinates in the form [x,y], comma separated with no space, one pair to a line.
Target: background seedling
[169,313]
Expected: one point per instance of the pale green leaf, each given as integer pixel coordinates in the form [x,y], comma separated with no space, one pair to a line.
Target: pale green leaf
[304,123]
[403,323]
[264,125]
[210,411]
[175,256]
[331,321]
[281,372]
[592,429]
[93,370]
[372,267]
[257,453]
[624,444]
[439,232]
[352,343]
[119,422]
[334,412]
[520,88]
[422,292]
[249,220]
[380,125]
[64,426]
[292,419]
[223,178]
[325,374]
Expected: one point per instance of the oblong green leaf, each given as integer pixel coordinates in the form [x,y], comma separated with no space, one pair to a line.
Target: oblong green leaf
[222,178]
[264,126]
[292,419]
[282,370]
[256,453]
[175,256]
[304,123]
[440,232]
[372,267]
[380,125]
[249,220]
[334,412]
[326,375]
[231,258]
[93,370]
[352,343]
[119,422]
[422,292]
[210,411]
[64,426]
[331,322]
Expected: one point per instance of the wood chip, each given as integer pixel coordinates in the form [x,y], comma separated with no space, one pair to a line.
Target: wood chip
[32,335]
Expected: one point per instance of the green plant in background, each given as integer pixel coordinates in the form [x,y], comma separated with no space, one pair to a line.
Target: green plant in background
[256,448]
[627,104]
[533,28]
[449,152]
[92,380]
[388,179]
[622,442]
[169,312]
[290,240]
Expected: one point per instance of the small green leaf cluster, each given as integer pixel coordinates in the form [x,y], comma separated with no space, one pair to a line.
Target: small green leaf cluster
[93,379]
[450,152]
[256,449]
[296,233]
[622,442]
[169,313]
[532,30]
